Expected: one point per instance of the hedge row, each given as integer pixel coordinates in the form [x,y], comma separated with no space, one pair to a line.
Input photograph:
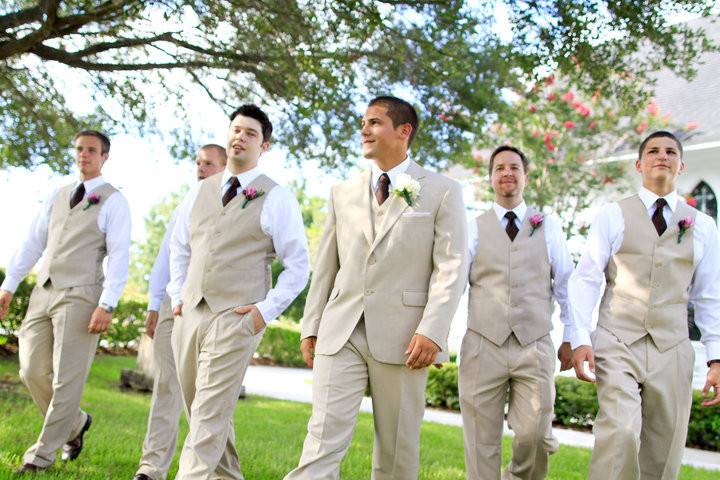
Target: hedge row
[125,329]
[576,405]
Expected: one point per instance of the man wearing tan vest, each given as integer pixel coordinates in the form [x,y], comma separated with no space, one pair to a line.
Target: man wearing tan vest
[77,228]
[228,230]
[389,274]
[166,404]
[519,265]
[655,253]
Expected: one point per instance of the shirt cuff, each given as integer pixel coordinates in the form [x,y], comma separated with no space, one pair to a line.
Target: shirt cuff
[578,337]
[154,304]
[10,284]
[567,335]
[266,310]
[176,301]
[712,351]
[108,298]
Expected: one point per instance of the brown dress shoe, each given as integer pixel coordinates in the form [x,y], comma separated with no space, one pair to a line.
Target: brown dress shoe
[29,468]
[72,449]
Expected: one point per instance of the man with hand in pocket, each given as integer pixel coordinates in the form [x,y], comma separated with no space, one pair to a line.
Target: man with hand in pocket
[229,228]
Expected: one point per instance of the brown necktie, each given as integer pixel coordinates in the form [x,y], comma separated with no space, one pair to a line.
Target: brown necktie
[231,191]
[511,229]
[77,195]
[383,188]
[657,218]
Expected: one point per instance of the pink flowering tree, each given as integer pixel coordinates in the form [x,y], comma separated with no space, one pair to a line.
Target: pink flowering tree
[570,140]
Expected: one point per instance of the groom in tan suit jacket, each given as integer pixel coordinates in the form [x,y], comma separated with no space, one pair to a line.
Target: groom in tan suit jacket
[390,271]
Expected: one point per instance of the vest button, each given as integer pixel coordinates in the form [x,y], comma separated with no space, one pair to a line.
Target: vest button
[372,260]
[380,213]
[369,292]
[659,264]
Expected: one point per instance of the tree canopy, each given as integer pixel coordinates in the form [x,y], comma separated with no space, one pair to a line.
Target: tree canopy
[315,62]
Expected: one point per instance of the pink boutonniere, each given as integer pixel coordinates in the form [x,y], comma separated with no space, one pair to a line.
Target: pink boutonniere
[92,199]
[535,222]
[684,226]
[250,194]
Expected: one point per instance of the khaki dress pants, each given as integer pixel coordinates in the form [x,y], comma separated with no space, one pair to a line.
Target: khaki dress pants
[398,399]
[212,351]
[645,397]
[486,373]
[166,406]
[56,352]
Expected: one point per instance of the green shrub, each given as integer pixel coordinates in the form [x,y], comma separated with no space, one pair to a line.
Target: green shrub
[10,324]
[127,324]
[576,402]
[704,428]
[576,405]
[281,345]
[442,387]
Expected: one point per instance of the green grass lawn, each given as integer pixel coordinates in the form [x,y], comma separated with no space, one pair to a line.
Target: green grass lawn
[269,435]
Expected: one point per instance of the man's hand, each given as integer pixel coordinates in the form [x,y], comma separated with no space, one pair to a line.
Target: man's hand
[5,299]
[565,355]
[422,352]
[307,348]
[177,310]
[713,381]
[582,354]
[255,314]
[100,321]
[151,320]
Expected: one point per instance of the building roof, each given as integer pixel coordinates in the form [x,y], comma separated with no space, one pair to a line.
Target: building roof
[697,100]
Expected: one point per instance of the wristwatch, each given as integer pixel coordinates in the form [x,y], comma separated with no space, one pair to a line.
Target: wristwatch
[107,307]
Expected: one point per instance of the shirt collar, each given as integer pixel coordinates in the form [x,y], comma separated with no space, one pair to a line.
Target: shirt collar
[93,183]
[649,198]
[392,173]
[245,178]
[520,210]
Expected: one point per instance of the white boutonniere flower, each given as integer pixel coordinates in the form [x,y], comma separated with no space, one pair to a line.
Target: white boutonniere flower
[407,188]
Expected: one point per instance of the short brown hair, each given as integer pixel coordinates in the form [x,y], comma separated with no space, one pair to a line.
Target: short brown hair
[508,148]
[104,140]
[399,111]
[659,134]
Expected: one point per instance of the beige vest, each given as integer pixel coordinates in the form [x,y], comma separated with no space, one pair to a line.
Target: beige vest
[510,282]
[231,255]
[378,212]
[75,245]
[648,279]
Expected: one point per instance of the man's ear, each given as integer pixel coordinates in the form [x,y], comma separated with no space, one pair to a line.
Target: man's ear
[265,146]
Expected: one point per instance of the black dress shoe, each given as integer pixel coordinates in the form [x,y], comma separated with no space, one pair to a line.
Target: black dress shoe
[72,449]
[141,476]
[29,468]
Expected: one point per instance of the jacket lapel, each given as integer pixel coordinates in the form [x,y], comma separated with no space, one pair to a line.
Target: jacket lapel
[397,204]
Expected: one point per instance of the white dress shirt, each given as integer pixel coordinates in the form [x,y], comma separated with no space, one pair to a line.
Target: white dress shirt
[561,265]
[376,172]
[160,273]
[280,219]
[604,240]
[113,220]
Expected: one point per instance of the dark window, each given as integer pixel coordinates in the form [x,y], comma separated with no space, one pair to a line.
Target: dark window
[706,199]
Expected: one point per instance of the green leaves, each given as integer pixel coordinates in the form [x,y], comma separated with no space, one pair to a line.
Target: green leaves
[317,64]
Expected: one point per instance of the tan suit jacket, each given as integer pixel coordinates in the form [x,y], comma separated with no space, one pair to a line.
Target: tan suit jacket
[406,278]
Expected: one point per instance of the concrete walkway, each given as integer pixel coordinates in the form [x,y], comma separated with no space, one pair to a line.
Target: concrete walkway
[296,384]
